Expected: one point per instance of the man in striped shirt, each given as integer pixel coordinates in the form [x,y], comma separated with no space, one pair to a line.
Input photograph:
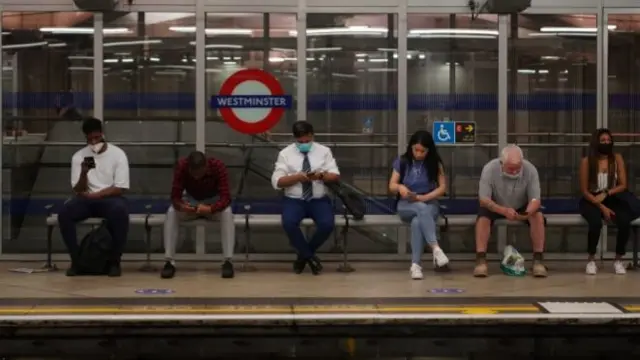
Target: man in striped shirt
[200,190]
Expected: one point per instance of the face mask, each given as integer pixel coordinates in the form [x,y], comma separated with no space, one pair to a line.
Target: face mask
[304,147]
[96,148]
[512,176]
[605,149]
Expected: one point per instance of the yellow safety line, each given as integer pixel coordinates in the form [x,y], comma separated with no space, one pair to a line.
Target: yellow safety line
[266,310]
[632,307]
[457,308]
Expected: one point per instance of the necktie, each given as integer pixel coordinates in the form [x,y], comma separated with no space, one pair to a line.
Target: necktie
[307,187]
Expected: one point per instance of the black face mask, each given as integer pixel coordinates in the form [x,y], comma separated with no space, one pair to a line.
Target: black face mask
[605,149]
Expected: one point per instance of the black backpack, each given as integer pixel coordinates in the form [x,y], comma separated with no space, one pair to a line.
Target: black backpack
[352,201]
[95,249]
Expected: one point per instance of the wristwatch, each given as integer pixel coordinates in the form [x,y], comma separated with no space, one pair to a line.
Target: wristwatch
[321,175]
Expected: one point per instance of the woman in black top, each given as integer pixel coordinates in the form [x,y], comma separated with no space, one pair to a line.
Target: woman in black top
[603,178]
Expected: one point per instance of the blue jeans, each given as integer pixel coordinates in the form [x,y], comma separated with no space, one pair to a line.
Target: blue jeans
[320,211]
[423,219]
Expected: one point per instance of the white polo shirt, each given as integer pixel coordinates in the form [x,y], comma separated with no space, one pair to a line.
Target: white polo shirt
[112,168]
[290,162]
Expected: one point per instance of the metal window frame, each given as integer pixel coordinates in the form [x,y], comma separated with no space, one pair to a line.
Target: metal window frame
[200,8]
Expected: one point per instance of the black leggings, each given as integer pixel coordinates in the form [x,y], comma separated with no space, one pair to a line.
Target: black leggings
[593,215]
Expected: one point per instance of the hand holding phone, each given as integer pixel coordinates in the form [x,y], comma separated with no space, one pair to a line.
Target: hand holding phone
[89,162]
[412,196]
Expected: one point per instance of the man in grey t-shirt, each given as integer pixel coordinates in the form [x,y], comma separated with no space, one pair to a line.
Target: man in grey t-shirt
[509,188]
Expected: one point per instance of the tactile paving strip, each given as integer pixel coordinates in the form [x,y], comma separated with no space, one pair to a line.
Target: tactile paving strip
[570,307]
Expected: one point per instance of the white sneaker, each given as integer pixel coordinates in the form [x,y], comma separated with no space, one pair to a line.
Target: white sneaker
[592,268]
[619,267]
[416,272]
[439,258]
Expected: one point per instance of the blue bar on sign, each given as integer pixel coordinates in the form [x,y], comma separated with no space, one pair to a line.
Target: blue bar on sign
[251,101]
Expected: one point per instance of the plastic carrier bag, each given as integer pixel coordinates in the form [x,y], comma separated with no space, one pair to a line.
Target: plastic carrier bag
[512,262]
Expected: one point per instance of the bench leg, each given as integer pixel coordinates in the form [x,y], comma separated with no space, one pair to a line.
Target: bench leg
[335,248]
[49,265]
[246,266]
[147,266]
[345,267]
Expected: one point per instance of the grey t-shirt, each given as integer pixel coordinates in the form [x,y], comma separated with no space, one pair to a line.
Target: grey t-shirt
[511,193]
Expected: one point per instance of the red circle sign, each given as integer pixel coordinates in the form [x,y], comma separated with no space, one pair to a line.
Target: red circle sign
[238,124]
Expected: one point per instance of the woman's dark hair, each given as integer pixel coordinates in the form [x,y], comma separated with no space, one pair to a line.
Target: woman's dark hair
[594,155]
[432,161]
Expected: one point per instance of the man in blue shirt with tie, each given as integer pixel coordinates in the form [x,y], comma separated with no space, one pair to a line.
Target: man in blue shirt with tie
[301,171]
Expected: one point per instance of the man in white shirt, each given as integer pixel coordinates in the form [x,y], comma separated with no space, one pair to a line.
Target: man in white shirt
[302,169]
[99,178]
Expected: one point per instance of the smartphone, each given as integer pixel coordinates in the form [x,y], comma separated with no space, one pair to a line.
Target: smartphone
[311,173]
[412,195]
[523,213]
[90,161]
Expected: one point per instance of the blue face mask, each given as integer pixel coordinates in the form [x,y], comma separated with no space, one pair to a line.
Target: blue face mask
[304,147]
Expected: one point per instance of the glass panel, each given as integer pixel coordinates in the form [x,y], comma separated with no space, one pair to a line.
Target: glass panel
[352,103]
[623,96]
[149,97]
[44,73]
[235,42]
[452,76]
[552,108]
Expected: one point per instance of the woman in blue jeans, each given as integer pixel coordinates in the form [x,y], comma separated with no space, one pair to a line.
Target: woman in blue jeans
[418,180]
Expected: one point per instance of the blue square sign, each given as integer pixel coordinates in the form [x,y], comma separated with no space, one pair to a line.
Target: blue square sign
[444,132]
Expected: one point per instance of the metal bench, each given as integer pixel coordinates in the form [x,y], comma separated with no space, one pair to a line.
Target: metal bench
[344,222]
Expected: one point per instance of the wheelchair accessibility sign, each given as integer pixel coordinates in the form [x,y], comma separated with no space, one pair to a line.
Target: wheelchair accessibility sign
[454,132]
[444,132]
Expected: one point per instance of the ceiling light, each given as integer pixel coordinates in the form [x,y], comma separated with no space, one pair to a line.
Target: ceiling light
[351,30]
[80,68]
[80,57]
[25,45]
[552,29]
[221,31]
[453,32]
[219,46]
[130,43]
[550,58]
[56,45]
[79,30]
[325,49]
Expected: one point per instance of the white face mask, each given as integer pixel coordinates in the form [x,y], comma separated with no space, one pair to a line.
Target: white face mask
[512,176]
[96,148]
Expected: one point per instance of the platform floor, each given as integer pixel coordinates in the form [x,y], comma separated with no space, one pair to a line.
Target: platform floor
[372,284]
[374,312]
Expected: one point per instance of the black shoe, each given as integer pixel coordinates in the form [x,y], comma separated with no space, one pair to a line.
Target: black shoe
[227,270]
[114,271]
[71,271]
[315,266]
[318,263]
[298,265]
[168,271]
